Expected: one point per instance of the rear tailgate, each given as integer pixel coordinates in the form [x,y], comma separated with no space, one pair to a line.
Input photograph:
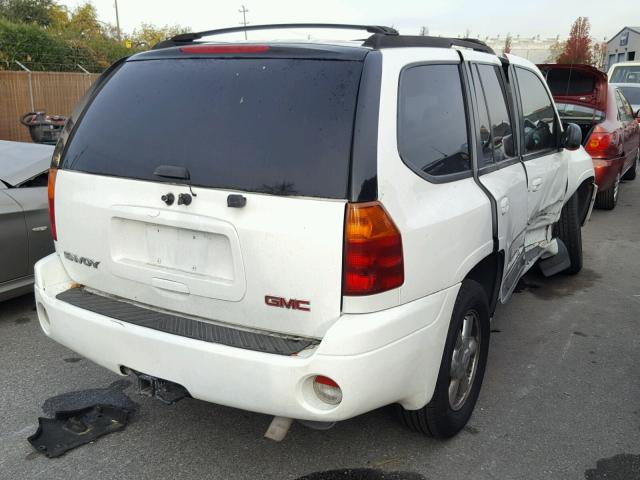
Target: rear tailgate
[580,94]
[577,84]
[276,131]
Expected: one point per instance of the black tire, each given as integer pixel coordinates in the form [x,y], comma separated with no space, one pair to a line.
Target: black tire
[569,231]
[437,418]
[632,172]
[608,199]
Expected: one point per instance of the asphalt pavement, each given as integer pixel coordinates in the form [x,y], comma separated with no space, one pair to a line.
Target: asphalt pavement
[560,400]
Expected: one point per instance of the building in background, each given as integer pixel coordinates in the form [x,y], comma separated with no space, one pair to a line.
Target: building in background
[534,49]
[624,46]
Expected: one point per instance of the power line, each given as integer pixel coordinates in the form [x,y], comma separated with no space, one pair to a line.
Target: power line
[244,22]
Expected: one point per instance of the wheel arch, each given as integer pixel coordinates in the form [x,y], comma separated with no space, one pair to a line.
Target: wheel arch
[488,273]
[585,194]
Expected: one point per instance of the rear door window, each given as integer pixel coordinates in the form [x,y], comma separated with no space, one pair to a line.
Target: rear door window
[276,126]
[625,112]
[485,149]
[496,102]
[632,94]
[579,113]
[432,121]
[539,125]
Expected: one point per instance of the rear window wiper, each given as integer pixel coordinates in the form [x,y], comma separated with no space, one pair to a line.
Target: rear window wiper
[175,172]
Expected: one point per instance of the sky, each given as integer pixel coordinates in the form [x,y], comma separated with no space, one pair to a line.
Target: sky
[546,18]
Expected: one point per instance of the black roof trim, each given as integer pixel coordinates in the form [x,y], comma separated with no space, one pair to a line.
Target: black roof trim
[185,38]
[378,41]
[383,37]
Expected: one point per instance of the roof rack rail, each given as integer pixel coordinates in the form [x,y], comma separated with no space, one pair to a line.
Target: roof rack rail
[185,38]
[377,42]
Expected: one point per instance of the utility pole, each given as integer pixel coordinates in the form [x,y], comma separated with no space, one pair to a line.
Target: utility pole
[117,20]
[244,22]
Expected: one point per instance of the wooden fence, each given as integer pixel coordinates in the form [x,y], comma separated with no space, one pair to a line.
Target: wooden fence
[22,92]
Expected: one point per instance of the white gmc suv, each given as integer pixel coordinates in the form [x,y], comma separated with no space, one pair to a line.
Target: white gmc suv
[309,230]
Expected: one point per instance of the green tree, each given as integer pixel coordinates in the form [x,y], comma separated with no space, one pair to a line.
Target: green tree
[32,46]
[27,11]
[83,22]
[44,35]
[148,35]
[555,50]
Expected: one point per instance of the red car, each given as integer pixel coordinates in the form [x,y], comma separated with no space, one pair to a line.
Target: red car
[610,132]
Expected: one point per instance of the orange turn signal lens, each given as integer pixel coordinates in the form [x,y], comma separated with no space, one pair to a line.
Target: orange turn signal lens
[373,257]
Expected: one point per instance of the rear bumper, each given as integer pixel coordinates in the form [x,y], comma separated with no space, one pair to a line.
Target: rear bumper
[606,172]
[377,359]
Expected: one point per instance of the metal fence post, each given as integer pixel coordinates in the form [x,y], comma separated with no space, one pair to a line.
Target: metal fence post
[30,84]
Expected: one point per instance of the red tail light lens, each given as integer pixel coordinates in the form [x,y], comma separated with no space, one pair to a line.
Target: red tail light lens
[603,144]
[224,49]
[373,259]
[51,193]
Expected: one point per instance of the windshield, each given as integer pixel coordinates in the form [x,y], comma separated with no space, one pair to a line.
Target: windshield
[632,94]
[277,126]
[626,74]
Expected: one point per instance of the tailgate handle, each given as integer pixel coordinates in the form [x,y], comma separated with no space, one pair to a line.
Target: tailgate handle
[236,201]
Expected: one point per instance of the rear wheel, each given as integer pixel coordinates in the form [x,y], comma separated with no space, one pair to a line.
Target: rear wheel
[568,230]
[607,200]
[461,369]
[632,172]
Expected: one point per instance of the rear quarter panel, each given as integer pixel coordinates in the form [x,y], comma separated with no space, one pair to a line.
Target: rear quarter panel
[446,228]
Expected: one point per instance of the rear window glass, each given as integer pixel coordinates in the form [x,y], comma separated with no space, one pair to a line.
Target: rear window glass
[631,94]
[569,82]
[570,112]
[629,74]
[277,126]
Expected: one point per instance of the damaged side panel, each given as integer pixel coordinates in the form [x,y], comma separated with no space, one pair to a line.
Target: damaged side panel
[547,188]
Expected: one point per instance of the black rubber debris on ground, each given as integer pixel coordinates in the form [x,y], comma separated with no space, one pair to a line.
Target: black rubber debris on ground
[361,474]
[621,467]
[73,428]
[112,395]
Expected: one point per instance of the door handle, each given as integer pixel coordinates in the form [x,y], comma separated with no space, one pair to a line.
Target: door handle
[504,205]
[536,183]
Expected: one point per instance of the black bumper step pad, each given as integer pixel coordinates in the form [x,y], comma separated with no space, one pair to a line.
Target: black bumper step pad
[184,327]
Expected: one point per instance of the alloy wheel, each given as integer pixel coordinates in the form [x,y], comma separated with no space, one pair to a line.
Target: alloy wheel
[464,361]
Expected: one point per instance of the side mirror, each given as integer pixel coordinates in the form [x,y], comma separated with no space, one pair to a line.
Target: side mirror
[572,137]
[638,114]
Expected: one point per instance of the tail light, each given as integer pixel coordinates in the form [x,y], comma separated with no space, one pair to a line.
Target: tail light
[327,390]
[603,144]
[373,259]
[51,193]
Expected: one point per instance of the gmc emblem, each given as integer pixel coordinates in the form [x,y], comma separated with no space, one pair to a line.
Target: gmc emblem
[292,304]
